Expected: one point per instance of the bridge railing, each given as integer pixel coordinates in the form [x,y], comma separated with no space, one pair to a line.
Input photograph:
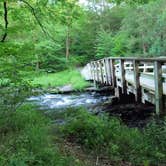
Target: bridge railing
[144,77]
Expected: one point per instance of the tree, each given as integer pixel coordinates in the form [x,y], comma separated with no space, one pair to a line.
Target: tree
[5,21]
[69,11]
[130,2]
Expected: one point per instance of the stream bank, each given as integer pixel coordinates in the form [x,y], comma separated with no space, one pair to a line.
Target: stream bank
[72,129]
[133,115]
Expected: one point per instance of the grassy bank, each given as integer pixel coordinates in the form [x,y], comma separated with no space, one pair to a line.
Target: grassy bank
[25,139]
[67,77]
[29,138]
[109,137]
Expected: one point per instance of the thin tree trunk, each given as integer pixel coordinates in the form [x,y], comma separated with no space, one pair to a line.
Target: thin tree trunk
[144,49]
[37,63]
[68,43]
[144,45]
[6,21]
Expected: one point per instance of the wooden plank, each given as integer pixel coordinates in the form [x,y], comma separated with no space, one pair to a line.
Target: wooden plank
[158,88]
[137,81]
[113,78]
[122,73]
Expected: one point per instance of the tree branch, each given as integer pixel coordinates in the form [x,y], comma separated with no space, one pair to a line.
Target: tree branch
[6,21]
[37,19]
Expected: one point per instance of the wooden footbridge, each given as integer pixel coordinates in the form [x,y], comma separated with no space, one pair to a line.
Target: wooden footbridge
[143,77]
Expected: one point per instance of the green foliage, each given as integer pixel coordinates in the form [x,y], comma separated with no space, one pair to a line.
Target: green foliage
[110,137]
[120,46]
[144,29]
[131,2]
[104,45]
[39,36]
[25,140]
[48,54]
[140,30]
[110,45]
[36,40]
[14,89]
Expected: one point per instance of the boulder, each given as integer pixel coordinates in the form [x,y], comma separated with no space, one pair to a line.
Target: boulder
[65,89]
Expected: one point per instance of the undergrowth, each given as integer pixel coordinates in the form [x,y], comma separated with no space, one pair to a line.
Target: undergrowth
[108,136]
[25,139]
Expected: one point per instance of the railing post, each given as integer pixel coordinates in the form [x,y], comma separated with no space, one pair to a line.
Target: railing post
[97,71]
[105,62]
[122,73]
[93,73]
[92,70]
[108,71]
[137,81]
[113,79]
[158,87]
[101,70]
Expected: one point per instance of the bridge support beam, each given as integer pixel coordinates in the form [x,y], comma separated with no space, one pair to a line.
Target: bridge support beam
[158,88]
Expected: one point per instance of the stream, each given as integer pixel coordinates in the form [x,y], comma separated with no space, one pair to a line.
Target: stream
[131,114]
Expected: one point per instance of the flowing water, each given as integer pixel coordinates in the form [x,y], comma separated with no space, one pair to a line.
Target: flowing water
[97,103]
[57,102]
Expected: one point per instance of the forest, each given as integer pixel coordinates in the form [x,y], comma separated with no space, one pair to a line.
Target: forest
[43,46]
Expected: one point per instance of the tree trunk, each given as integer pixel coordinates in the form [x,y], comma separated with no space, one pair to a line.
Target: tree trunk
[68,43]
[144,46]
[144,49]
[37,63]
[6,21]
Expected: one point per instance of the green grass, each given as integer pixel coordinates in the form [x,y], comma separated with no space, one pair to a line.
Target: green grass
[109,137]
[67,77]
[26,140]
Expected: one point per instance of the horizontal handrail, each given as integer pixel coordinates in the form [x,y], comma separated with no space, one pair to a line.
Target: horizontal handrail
[162,59]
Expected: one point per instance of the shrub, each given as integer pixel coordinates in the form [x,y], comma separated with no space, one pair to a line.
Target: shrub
[25,140]
[109,136]
[104,44]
